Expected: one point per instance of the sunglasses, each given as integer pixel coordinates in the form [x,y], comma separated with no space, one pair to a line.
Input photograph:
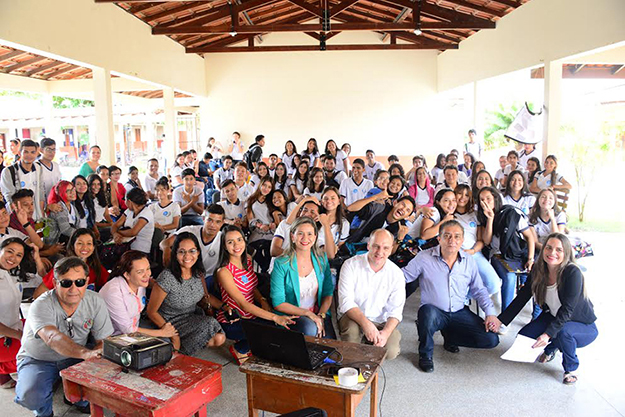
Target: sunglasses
[67,283]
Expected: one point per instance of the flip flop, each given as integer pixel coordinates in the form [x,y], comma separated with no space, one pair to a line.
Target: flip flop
[569,378]
[239,358]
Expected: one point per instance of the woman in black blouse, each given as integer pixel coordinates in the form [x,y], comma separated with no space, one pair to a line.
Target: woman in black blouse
[568,318]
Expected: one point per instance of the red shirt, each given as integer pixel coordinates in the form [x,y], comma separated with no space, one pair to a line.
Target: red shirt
[246,282]
[48,280]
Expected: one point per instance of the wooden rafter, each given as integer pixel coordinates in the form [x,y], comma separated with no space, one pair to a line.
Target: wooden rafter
[298,48]
[56,73]
[43,68]
[175,10]
[343,5]
[10,55]
[23,64]
[476,7]
[510,3]
[307,6]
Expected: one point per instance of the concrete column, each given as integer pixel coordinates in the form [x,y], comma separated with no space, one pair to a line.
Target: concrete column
[150,133]
[553,106]
[170,143]
[205,125]
[50,125]
[104,135]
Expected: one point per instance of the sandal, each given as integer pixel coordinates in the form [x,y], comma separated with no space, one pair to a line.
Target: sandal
[546,357]
[239,358]
[569,378]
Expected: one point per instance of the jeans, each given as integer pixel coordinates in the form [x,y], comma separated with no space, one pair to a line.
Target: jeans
[487,273]
[35,381]
[309,328]
[572,335]
[461,328]
[508,279]
[191,220]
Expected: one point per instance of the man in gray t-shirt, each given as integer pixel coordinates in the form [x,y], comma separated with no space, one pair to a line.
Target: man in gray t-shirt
[55,335]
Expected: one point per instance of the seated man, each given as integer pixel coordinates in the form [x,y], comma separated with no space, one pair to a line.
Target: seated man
[233,206]
[372,296]
[357,186]
[190,198]
[446,274]
[59,323]
[374,214]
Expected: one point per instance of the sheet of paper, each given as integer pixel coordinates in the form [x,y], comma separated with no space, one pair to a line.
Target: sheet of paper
[522,351]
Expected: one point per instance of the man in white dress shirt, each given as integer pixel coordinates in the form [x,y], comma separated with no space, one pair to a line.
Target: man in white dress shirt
[372,294]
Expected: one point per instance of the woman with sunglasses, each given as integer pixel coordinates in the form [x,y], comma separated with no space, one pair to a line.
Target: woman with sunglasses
[13,253]
[175,297]
[238,285]
[82,244]
[125,296]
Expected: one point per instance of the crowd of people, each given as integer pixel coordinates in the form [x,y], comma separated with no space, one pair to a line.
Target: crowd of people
[291,239]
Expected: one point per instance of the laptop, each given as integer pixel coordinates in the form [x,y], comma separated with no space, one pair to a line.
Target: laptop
[284,346]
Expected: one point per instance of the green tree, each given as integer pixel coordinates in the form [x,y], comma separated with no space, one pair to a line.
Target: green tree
[70,103]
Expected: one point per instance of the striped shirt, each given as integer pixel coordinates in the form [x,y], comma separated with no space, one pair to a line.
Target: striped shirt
[246,282]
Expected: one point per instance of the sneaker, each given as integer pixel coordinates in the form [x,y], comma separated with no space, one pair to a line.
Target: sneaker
[503,329]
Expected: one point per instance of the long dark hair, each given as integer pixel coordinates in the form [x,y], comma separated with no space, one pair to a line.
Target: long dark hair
[92,261]
[315,149]
[284,178]
[437,199]
[530,177]
[22,269]
[197,270]
[462,188]
[554,174]
[224,256]
[297,175]
[535,210]
[258,193]
[273,207]
[440,161]
[481,217]
[101,195]
[87,199]
[540,271]
[339,208]
[125,262]
[294,147]
[524,191]
[311,184]
[474,188]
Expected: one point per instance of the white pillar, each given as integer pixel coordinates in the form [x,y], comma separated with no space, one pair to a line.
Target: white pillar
[150,133]
[205,125]
[170,147]
[553,106]
[104,135]
[478,111]
[50,125]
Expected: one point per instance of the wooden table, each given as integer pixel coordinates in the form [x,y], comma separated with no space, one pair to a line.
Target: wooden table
[282,389]
[182,387]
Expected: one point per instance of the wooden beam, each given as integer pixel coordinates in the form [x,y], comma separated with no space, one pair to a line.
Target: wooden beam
[12,54]
[43,68]
[477,7]
[24,64]
[577,68]
[165,13]
[338,8]
[425,42]
[313,27]
[234,16]
[449,15]
[317,36]
[69,68]
[302,48]
[132,1]
[617,68]
[307,6]
[510,3]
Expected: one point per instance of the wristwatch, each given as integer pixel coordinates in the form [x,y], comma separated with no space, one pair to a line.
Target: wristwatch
[25,225]
[322,315]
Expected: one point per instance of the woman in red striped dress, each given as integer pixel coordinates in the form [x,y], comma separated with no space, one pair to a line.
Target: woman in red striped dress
[238,285]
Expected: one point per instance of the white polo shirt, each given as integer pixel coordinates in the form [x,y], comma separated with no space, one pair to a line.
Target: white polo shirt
[165,215]
[353,192]
[178,197]
[49,176]
[371,170]
[524,203]
[543,229]
[143,240]
[544,181]
[149,183]
[233,210]
[379,295]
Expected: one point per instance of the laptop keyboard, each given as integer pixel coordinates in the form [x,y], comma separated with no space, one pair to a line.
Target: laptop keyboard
[317,353]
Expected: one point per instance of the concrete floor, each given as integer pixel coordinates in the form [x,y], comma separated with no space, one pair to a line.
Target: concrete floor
[475,382]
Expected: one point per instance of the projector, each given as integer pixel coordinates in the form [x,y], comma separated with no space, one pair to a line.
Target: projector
[137,351]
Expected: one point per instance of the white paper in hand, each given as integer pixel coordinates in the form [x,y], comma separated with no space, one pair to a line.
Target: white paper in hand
[522,351]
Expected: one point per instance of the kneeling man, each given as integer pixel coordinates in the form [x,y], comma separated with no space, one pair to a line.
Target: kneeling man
[55,335]
[372,293]
[446,274]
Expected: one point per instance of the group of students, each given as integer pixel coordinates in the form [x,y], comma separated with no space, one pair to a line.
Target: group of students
[288,241]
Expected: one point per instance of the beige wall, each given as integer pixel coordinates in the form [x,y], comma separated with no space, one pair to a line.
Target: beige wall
[384,100]
[537,32]
[101,35]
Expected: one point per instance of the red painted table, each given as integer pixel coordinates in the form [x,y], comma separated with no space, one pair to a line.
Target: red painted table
[182,387]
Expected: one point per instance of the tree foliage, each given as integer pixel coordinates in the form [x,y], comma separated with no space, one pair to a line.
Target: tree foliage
[498,120]
[71,103]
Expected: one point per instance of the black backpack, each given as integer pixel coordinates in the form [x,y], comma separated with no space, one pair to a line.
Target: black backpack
[330,181]
[249,156]
[511,244]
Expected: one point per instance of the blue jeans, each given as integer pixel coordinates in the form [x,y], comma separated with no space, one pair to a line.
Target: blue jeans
[508,279]
[35,381]
[487,273]
[309,328]
[461,328]
[191,220]
[572,335]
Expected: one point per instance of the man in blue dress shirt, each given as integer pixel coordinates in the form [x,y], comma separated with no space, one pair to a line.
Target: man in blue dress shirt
[446,275]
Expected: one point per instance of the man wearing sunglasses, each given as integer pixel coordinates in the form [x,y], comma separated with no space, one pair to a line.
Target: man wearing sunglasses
[55,335]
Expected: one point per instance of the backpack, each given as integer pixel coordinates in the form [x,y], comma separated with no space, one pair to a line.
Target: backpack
[511,244]
[249,157]
[330,181]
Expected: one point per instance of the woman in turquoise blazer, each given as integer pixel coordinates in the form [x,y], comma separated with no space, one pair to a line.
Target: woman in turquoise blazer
[301,282]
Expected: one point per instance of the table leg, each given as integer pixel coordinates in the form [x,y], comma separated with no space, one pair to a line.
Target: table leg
[349,405]
[96,410]
[201,412]
[251,411]
[373,410]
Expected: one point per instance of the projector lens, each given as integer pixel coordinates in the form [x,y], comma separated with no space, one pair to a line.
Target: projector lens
[126,358]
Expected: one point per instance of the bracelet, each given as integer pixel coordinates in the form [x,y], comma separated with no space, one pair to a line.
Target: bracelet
[25,225]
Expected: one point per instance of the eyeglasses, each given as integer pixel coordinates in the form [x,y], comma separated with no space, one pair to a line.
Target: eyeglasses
[70,325]
[67,283]
[183,252]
